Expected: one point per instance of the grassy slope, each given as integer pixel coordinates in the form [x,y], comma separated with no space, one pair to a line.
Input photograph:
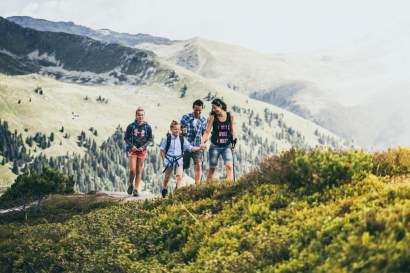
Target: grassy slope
[254,225]
[47,113]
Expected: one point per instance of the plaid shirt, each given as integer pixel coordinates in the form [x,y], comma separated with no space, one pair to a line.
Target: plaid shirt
[194,133]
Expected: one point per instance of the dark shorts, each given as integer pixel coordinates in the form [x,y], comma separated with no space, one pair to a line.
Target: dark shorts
[196,156]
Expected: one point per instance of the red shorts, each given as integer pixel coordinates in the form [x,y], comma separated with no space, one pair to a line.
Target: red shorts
[139,154]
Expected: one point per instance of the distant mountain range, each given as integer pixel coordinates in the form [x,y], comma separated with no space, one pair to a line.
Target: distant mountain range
[342,90]
[105,35]
[71,57]
[313,85]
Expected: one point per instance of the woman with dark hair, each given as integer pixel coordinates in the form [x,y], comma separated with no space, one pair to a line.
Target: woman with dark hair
[223,138]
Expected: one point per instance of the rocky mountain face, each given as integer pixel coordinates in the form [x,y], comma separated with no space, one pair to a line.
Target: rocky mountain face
[71,57]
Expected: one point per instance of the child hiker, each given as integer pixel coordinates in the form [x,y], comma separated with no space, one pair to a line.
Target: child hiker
[172,148]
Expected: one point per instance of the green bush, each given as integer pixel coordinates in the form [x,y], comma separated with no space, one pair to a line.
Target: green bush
[392,162]
[31,187]
[316,170]
[353,222]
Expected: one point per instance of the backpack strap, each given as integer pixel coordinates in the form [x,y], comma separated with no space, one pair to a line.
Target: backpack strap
[168,143]
[181,139]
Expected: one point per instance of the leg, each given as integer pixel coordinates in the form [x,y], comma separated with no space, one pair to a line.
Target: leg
[228,160]
[229,171]
[197,157]
[211,172]
[198,172]
[213,162]
[140,166]
[133,166]
[167,175]
[178,177]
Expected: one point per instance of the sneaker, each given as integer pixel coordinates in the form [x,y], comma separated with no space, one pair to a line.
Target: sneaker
[164,193]
[135,193]
[130,189]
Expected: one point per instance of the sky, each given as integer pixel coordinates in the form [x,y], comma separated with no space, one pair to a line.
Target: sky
[270,26]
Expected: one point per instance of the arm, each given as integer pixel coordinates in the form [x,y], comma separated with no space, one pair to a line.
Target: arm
[149,138]
[208,129]
[162,149]
[127,138]
[184,124]
[127,135]
[233,127]
[162,154]
[189,147]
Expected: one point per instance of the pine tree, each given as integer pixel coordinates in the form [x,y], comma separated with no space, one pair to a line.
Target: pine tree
[15,168]
[183,91]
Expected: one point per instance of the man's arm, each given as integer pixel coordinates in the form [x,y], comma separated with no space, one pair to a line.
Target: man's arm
[184,124]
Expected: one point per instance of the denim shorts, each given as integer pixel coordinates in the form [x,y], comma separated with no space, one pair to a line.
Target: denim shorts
[215,152]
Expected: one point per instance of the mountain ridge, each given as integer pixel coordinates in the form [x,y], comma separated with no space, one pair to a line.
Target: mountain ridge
[72,57]
[106,35]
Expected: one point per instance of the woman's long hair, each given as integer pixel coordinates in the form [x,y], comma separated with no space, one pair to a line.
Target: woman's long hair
[219,103]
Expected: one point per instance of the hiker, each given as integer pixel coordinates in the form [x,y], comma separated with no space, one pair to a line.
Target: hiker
[137,137]
[193,127]
[172,148]
[223,138]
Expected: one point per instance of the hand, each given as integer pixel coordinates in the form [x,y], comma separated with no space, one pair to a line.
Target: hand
[140,149]
[234,143]
[133,148]
[184,131]
[202,146]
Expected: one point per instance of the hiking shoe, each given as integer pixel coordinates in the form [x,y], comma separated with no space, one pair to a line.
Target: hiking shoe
[164,193]
[130,189]
[135,193]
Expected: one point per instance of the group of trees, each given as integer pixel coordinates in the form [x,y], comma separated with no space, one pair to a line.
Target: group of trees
[172,79]
[12,147]
[183,91]
[102,167]
[38,90]
[105,167]
[102,99]
[41,140]
[33,186]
